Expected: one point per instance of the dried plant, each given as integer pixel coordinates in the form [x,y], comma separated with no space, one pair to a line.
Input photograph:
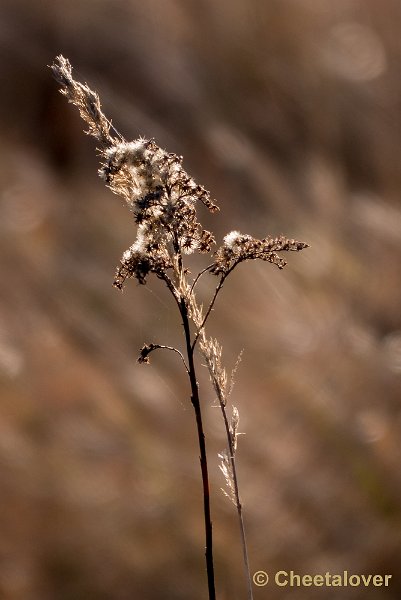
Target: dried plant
[164,199]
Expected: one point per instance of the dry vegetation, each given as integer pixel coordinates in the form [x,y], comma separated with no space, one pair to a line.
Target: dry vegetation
[290,113]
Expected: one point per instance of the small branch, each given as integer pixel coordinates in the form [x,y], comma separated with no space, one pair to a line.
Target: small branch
[209,310]
[213,300]
[148,348]
[199,275]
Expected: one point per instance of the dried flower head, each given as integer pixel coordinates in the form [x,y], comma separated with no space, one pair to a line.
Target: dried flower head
[152,181]
[238,248]
[163,198]
[85,99]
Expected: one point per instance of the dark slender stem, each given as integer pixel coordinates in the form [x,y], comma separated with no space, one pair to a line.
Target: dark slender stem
[213,300]
[177,352]
[209,310]
[202,449]
[199,275]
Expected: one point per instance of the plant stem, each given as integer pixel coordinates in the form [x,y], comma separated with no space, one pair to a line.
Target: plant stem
[238,501]
[202,448]
[213,300]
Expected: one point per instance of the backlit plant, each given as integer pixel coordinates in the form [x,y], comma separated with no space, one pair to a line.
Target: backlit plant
[164,201]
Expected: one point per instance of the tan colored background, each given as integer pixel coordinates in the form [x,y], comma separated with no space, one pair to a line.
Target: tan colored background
[290,113]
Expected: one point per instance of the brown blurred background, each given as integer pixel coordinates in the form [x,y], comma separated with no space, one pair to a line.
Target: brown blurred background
[289,112]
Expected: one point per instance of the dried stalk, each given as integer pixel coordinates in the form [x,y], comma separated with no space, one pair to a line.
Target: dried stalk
[163,198]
